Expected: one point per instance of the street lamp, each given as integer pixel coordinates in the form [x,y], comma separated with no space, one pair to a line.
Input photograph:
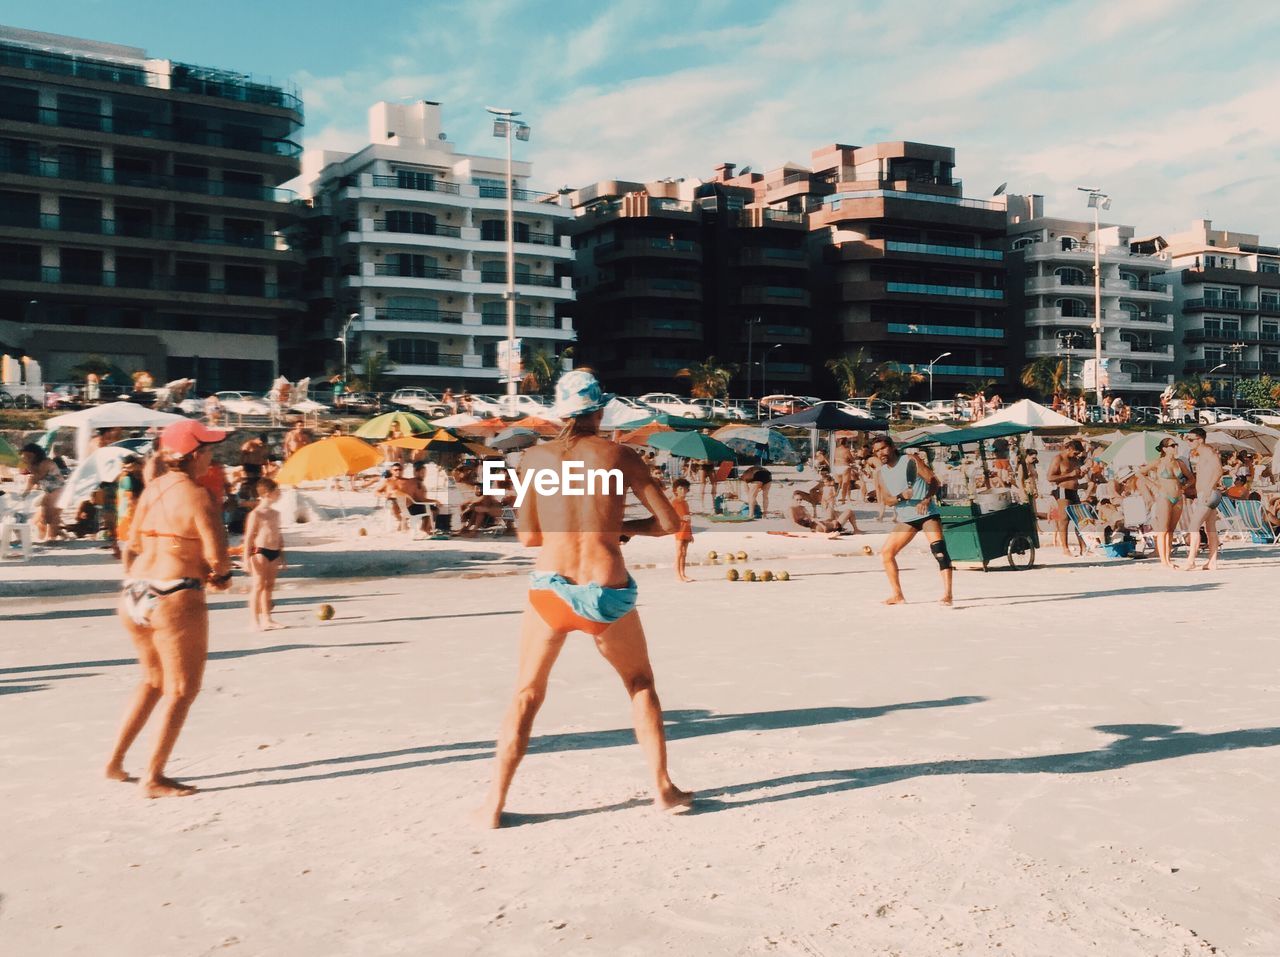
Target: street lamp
[1236,348]
[505,125]
[931,365]
[343,339]
[1097,200]
[764,369]
[1067,340]
[751,324]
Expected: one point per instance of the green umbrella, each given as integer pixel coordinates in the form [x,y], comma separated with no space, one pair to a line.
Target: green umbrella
[379,427]
[1134,450]
[8,454]
[693,445]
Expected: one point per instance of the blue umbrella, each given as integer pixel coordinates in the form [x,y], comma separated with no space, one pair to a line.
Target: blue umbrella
[750,440]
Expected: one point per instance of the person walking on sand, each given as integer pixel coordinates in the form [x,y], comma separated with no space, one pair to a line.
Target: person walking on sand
[175,549]
[684,535]
[1204,510]
[1065,473]
[842,470]
[580,583]
[1170,475]
[909,485]
[264,554]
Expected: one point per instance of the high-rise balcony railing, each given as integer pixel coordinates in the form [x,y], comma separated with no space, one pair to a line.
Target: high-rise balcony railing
[522,279]
[412,229]
[109,279]
[402,314]
[531,322]
[91,173]
[930,289]
[416,272]
[148,128]
[925,329]
[421,183]
[132,229]
[1217,304]
[955,252]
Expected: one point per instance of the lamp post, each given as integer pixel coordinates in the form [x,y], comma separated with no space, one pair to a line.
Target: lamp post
[343,339]
[1097,200]
[764,369]
[1067,340]
[505,125]
[931,365]
[751,324]
[1236,348]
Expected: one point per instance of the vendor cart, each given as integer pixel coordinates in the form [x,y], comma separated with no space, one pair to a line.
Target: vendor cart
[993,526]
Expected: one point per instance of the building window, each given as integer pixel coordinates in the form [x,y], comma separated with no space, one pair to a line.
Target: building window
[403,221]
[414,352]
[414,179]
[408,264]
[1068,276]
[1268,265]
[1071,307]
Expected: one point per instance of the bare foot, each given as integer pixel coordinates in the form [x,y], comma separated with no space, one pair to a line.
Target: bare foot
[116,772]
[671,798]
[163,787]
[945,600]
[1184,568]
[1209,566]
[895,600]
[273,625]
[488,817]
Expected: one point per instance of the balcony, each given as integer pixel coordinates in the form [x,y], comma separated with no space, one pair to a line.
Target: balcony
[754,256]
[149,129]
[141,230]
[774,296]
[416,272]
[655,328]
[922,329]
[951,252]
[418,182]
[984,372]
[756,217]
[522,279]
[833,203]
[380,226]
[107,279]
[524,322]
[395,314]
[682,249]
[929,289]
[647,288]
[1220,305]
[413,186]
[51,169]
[1228,367]
[1047,285]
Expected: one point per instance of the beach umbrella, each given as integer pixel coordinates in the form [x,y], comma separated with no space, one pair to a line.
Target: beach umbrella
[8,454]
[544,427]
[514,438]
[693,445]
[642,435]
[104,465]
[328,458]
[120,414]
[490,426]
[756,441]
[1258,438]
[826,418]
[619,415]
[1134,450]
[1224,440]
[440,441]
[1033,414]
[461,420]
[661,418]
[379,427]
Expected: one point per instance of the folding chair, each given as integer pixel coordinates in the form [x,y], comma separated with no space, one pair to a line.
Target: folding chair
[1084,520]
[1255,524]
[1229,512]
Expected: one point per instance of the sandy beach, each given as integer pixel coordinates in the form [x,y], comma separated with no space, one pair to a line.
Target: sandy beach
[1077,759]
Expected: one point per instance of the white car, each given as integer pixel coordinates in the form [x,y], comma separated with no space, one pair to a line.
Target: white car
[514,406]
[920,411]
[242,404]
[673,404]
[843,406]
[718,409]
[421,401]
[943,407]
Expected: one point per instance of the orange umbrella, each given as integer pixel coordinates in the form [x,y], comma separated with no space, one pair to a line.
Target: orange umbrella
[543,427]
[641,435]
[441,441]
[328,458]
[485,426]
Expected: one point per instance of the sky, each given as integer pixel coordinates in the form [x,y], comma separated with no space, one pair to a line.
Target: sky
[1168,105]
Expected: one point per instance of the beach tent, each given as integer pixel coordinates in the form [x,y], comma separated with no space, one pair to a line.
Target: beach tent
[120,414]
[755,441]
[1031,414]
[911,434]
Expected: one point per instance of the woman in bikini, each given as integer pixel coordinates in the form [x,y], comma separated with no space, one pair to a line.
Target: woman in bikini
[43,475]
[1170,474]
[175,548]
[264,554]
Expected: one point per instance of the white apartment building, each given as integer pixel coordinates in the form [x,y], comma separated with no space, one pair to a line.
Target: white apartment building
[1226,290]
[1052,283]
[417,248]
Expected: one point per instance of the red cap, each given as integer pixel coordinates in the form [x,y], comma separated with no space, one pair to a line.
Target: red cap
[188,435]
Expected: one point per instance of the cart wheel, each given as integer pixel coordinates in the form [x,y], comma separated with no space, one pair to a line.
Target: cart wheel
[1020,552]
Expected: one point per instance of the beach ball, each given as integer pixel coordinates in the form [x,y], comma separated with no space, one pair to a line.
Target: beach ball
[325,612]
[731,574]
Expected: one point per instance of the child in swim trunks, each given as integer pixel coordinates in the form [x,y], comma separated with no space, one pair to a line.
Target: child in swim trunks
[264,554]
[680,493]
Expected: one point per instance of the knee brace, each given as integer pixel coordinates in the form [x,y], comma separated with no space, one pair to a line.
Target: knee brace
[940,554]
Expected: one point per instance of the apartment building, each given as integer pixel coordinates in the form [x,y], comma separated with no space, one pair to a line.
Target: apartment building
[141,218]
[670,273]
[409,236]
[1050,292]
[1226,296]
[909,269]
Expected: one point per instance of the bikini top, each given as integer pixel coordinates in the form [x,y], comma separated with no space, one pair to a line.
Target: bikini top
[152,533]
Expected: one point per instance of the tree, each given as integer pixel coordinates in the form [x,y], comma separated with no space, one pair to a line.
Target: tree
[1045,375]
[1199,391]
[541,369]
[893,380]
[853,374]
[1258,393]
[90,365]
[710,379]
[374,367]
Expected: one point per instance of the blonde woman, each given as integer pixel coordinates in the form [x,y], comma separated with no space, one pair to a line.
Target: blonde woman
[176,547]
[1167,475]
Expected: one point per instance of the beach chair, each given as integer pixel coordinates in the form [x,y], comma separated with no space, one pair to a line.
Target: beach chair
[1137,520]
[1233,528]
[1084,520]
[15,523]
[1255,524]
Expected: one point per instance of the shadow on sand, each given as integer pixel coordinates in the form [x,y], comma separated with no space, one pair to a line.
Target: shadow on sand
[679,725]
[213,656]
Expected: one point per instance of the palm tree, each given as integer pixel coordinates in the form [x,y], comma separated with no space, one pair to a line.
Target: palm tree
[374,367]
[541,369]
[1199,391]
[893,380]
[853,374]
[710,379]
[1045,375]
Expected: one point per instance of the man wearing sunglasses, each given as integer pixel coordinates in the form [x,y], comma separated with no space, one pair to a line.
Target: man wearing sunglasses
[1204,510]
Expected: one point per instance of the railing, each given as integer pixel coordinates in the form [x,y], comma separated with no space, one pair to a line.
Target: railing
[82,173]
[662,204]
[401,314]
[1142,285]
[919,329]
[1228,305]
[533,322]
[143,230]
[778,292]
[833,202]
[1228,367]
[929,249]
[139,280]
[650,324]
[534,239]
[782,216]
[522,279]
[418,272]
[1269,308]
[380,226]
[500,192]
[182,77]
[148,129]
[420,184]
[640,246]
[988,372]
[929,289]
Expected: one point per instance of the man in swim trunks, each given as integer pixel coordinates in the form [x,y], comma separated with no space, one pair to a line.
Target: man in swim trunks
[264,554]
[908,485]
[581,584]
[799,514]
[1065,474]
[1204,510]
[253,456]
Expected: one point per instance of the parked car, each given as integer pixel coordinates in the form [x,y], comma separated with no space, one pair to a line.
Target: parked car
[1212,416]
[918,410]
[358,403]
[946,408]
[517,406]
[1144,415]
[673,404]
[17,400]
[844,406]
[420,401]
[879,408]
[244,404]
[719,409]
[1269,417]
[782,404]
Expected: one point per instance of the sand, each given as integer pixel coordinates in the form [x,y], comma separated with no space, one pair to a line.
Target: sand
[1077,759]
